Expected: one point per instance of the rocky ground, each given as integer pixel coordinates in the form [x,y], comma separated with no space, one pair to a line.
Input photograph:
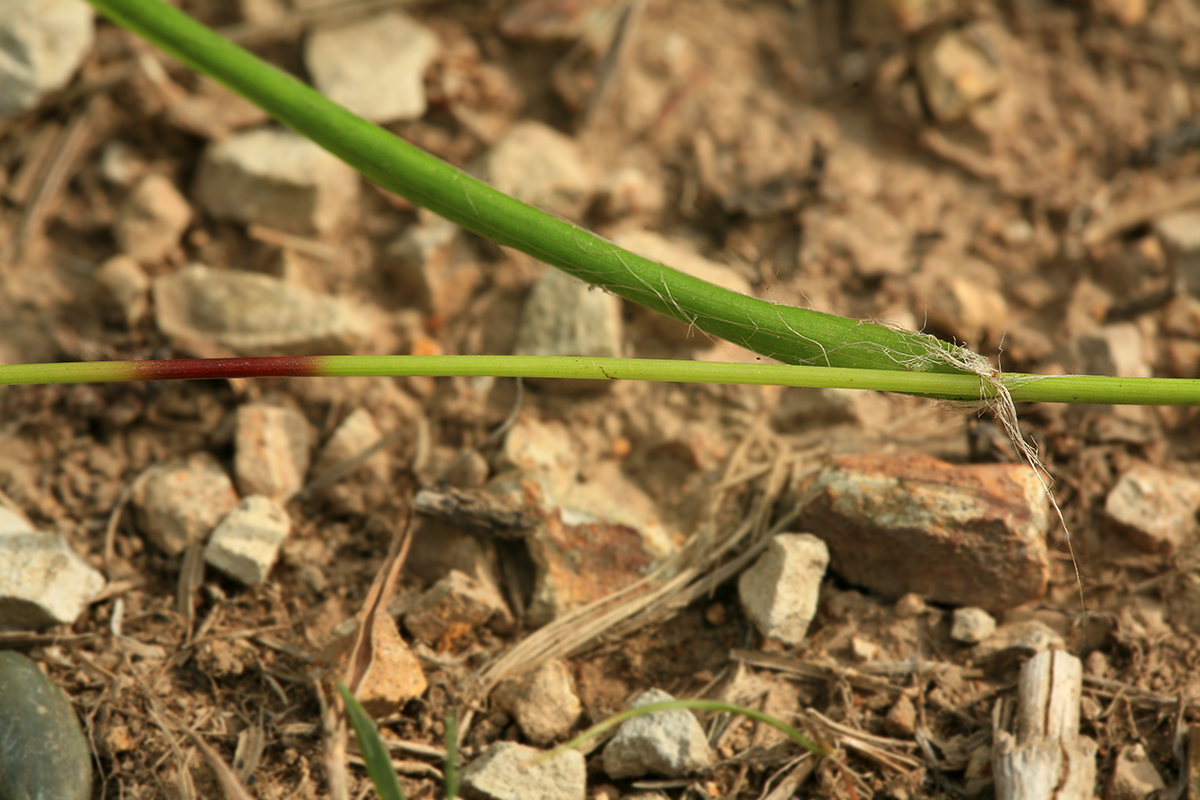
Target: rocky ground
[873,569]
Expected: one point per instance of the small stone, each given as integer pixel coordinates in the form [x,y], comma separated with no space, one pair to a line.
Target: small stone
[629,192]
[585,547]
[42,42]
[965,307]
[1154,509]
[566,317]
[394,675]
[543,702]
[780,592]
[271,450]
[1180,237]
[374,66]
[357,433]
[124,290]
[455,604]
[1134,777]
[43,752]
[962,535]
[13,522]
[151,220]
[42,581]
[1128,13]
[668,743]
[434,265]
[954,75]
[254,314]
[246,543]
[538,165]
[901,719]
[511,771]
[1023,638]
[276,178]
[1115,350]
[971,625]
[875,241]
[910,606]
[863,649]
[181,501]
[801,408]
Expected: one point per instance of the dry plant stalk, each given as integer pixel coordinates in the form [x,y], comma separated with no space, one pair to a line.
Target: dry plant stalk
[1047,759]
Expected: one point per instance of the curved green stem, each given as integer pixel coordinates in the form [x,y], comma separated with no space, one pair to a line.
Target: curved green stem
[788,334]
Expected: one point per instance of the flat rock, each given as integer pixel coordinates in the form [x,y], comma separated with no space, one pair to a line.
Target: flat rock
[275,178]
[961,535]
[181,501]
[1134,776]
[42,581]
[13,522]
[874,241]
[540,166]
[511,771]
[433,264]
[668,743]
[954,75]
[124,290]
[971,625]
[584,546]
[1115,350]
[151,220]
[356,434]
[43,752]
[245,544]
[271,450]
[564,316]
[253,314]
[373,66]
[543,702]
[780,592]
[1180,237]
[1154,509]
[42,42]
[455,604]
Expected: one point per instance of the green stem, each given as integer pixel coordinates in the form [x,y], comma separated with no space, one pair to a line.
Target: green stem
[788,334]
[967,388]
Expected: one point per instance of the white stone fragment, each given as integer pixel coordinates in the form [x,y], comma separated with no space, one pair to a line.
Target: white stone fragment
[357,433]
[454,601]
[511,771]
[374,66]
[543,702]
[181,501]
[13,522]
[271,450]
[276,178]
[152,219]
[124,290]
[540,166]
[780,592]
[246,543]
[971,625]
[42,581]
[566,317]
[1115,350]
[1155,509]
[42,42]
[669,743]
[253,314]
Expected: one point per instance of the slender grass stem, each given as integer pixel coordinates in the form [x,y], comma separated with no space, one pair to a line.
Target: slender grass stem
[788,334]
[966,388]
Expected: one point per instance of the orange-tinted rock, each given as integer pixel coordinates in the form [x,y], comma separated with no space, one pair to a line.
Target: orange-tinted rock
[964,535]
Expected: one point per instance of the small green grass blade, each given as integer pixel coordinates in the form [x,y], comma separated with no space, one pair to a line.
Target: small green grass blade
[374,751]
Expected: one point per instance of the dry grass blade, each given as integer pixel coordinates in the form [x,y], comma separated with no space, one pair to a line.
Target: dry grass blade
[230,785]
[800,770]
